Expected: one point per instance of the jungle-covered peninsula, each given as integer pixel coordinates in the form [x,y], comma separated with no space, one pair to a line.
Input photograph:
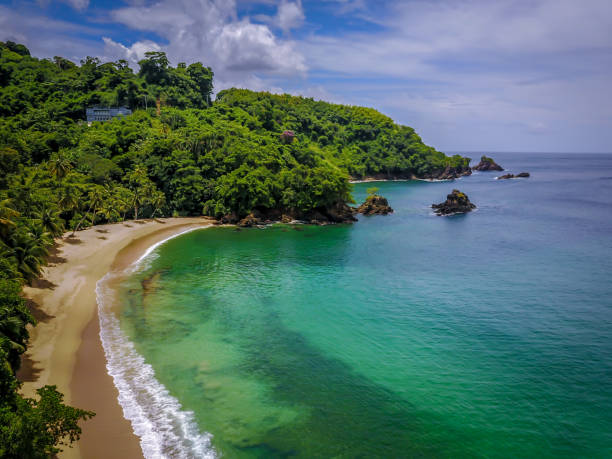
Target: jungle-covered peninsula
[179,153]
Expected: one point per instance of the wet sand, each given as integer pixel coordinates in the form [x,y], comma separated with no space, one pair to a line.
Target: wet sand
[65,348]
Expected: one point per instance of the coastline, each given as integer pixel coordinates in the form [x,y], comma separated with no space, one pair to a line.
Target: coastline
[65,347]
[372,179]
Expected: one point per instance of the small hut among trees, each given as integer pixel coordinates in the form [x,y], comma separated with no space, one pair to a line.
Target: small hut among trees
[287,137]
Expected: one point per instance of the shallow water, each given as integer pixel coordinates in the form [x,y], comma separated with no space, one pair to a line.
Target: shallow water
[486,334]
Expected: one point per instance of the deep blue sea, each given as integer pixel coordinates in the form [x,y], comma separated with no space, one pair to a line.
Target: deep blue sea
[411,335]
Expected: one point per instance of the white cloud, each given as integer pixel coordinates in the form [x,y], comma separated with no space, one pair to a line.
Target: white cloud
[78,4]
[210,31]
[290,15]
[136,52]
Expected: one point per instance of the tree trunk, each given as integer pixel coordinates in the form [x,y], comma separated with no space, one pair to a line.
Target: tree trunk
[79,224]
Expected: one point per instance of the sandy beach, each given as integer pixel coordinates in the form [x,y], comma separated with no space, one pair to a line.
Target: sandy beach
[65,348]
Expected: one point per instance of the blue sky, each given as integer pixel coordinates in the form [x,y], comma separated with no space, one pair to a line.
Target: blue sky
[468,75]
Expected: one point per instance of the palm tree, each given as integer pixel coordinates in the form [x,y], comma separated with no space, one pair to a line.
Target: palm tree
[41,235]
[141,187]
[59,166]
[7,263]
[13,332]
[69,199]
[24,189]
[158,200]
[49,219]
[109,210]
[29,252]
[96,197]
[124,202]
[7,215]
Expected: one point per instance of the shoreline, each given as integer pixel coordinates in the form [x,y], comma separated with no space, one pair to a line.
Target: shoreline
[371,179]
[65,347]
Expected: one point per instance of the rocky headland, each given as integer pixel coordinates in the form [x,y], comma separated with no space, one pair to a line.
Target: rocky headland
[456,202]
[337,213]
[487,164]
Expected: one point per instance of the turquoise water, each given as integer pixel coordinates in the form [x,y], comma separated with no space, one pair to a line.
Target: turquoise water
[483,335]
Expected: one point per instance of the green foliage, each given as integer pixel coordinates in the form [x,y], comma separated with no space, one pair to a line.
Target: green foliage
[35,428]
[372,190]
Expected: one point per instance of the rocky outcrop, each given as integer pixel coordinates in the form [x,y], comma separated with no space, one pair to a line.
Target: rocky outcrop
[249,221]
[229,219]
[337,213]
[375,205]
[448,173]
[487,164]
[509,176]
[456,203]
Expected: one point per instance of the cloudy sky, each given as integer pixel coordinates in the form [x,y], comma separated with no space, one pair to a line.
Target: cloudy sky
[469,75]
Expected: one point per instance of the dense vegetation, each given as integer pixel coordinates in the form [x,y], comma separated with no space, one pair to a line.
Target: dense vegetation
[177,154]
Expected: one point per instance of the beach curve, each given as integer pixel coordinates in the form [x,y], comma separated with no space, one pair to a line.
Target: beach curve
[65,347]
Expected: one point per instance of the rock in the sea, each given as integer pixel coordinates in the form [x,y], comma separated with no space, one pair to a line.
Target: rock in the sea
[375,205]
[249,221]
[456,203]
[487,164]
[509,176]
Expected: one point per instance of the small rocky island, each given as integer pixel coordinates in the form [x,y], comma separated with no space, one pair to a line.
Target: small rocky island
[509,176]
[456,203]
[487,164]
[375,205]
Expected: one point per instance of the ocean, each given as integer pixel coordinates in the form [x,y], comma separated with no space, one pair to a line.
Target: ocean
[480,335]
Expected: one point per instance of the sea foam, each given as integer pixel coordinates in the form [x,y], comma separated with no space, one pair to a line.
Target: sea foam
[157,418]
